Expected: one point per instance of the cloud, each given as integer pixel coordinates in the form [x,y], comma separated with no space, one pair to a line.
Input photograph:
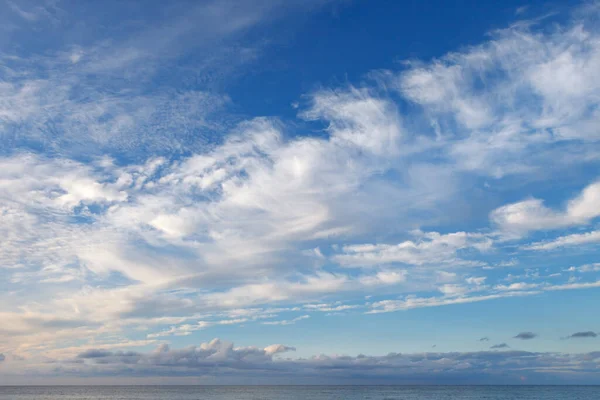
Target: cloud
[517,286]
[71,96]
[469,98]
[532,214]
[430,248]
[32,14]
[484,339]
[587,334]
[128,205]
[188,329]
[359,119]
[412,301]
[500,346]
[221,361]
[95,353]
[476,280]
[2,357]
[456,294]
[574,286]
[384,278]
[278,348]
[213,353]
[575,239]
[325,307]
[287,322]
[585,268]
[526,335]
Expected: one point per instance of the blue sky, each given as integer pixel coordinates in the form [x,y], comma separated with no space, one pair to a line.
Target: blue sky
[340,191]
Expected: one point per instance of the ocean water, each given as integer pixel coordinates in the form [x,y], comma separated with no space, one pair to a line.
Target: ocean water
[300,392]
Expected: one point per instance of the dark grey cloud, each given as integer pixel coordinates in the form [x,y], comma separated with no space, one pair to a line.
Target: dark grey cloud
[525,336]
[109,357]
[95,353]
[587,334]
[500,346]
[484,339]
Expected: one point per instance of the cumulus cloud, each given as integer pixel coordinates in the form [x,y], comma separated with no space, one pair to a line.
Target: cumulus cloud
[532,214]
[278,348]
[207,355]
[526,335]
[219,358]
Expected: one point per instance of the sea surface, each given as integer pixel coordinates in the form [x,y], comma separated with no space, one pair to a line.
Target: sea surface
[300,392]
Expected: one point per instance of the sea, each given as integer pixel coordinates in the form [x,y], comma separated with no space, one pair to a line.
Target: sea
[300,392]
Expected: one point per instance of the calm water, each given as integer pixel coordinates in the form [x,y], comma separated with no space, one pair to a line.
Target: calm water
[302,393]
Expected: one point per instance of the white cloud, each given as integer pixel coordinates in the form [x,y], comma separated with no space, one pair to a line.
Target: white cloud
[517,286]
[532,214]
[573,286]
[334,307]
[452,290]
[456,294]
[527,215]
[499,106]
[410,302]
[287,321]
[429,248]
[356,117]
[384,278]
[278,348]
[585,268]
[566,241]
[188,329]
[479,280]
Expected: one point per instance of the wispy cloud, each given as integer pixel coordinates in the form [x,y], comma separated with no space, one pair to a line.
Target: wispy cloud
[431,248]
[575,239]
[287,322]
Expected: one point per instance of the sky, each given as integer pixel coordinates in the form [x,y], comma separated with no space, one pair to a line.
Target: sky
[299,192]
